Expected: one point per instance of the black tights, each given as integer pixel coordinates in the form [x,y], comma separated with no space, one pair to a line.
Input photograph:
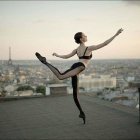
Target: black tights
[75,91]
[75,69]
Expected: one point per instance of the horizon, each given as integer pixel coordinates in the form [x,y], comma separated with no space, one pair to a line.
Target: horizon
[71,59]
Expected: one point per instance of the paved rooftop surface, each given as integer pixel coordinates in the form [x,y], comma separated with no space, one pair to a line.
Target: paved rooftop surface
[57,118]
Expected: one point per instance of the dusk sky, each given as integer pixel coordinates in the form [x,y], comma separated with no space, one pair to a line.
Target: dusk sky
[49,26]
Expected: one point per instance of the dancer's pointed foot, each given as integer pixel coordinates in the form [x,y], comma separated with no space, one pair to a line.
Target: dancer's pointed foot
[82,115]
[41,58]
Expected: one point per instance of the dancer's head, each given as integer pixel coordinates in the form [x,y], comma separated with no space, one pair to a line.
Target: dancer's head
[80,38]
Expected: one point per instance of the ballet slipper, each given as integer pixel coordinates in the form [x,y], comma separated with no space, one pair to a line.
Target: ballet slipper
[41,58]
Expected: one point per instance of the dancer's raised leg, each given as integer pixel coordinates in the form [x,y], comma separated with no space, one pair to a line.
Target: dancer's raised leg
[68,73]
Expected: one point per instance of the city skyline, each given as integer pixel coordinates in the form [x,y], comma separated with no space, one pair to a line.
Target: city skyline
[49,26]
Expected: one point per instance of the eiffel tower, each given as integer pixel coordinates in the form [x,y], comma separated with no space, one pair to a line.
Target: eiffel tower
[10,60]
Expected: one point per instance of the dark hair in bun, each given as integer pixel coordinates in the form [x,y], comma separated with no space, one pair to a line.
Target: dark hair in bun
[77,37]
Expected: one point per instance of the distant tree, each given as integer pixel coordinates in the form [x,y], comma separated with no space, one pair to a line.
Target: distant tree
[99,93]
[112,89]
[41,89]
[3,93]
[23,88]
[106,88]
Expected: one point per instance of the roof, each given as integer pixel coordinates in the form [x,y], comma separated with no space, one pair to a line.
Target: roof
[57,118]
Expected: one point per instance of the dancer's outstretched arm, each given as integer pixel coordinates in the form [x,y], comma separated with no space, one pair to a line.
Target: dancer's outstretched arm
[95,47]
[66,56]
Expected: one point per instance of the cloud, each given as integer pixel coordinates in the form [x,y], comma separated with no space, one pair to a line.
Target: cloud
[132,2]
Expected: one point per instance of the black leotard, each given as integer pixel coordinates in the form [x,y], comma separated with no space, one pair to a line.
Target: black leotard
[85,57]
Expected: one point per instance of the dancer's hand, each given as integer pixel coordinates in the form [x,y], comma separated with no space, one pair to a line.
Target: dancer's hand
[119,31]
[55,54]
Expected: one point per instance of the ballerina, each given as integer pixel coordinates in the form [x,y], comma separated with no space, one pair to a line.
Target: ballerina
[85,54]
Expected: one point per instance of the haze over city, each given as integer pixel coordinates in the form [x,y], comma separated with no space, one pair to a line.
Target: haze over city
[49,26]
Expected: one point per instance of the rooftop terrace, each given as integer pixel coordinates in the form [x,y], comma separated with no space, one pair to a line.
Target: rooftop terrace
[57,118]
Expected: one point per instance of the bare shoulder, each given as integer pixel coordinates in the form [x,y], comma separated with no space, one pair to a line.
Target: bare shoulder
[78,48]
[74,51]
[91,48]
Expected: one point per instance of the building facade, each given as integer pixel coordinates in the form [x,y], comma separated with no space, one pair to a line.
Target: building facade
[97,82]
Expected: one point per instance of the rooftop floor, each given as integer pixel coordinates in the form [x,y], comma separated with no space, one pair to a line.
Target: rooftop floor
[57,118]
